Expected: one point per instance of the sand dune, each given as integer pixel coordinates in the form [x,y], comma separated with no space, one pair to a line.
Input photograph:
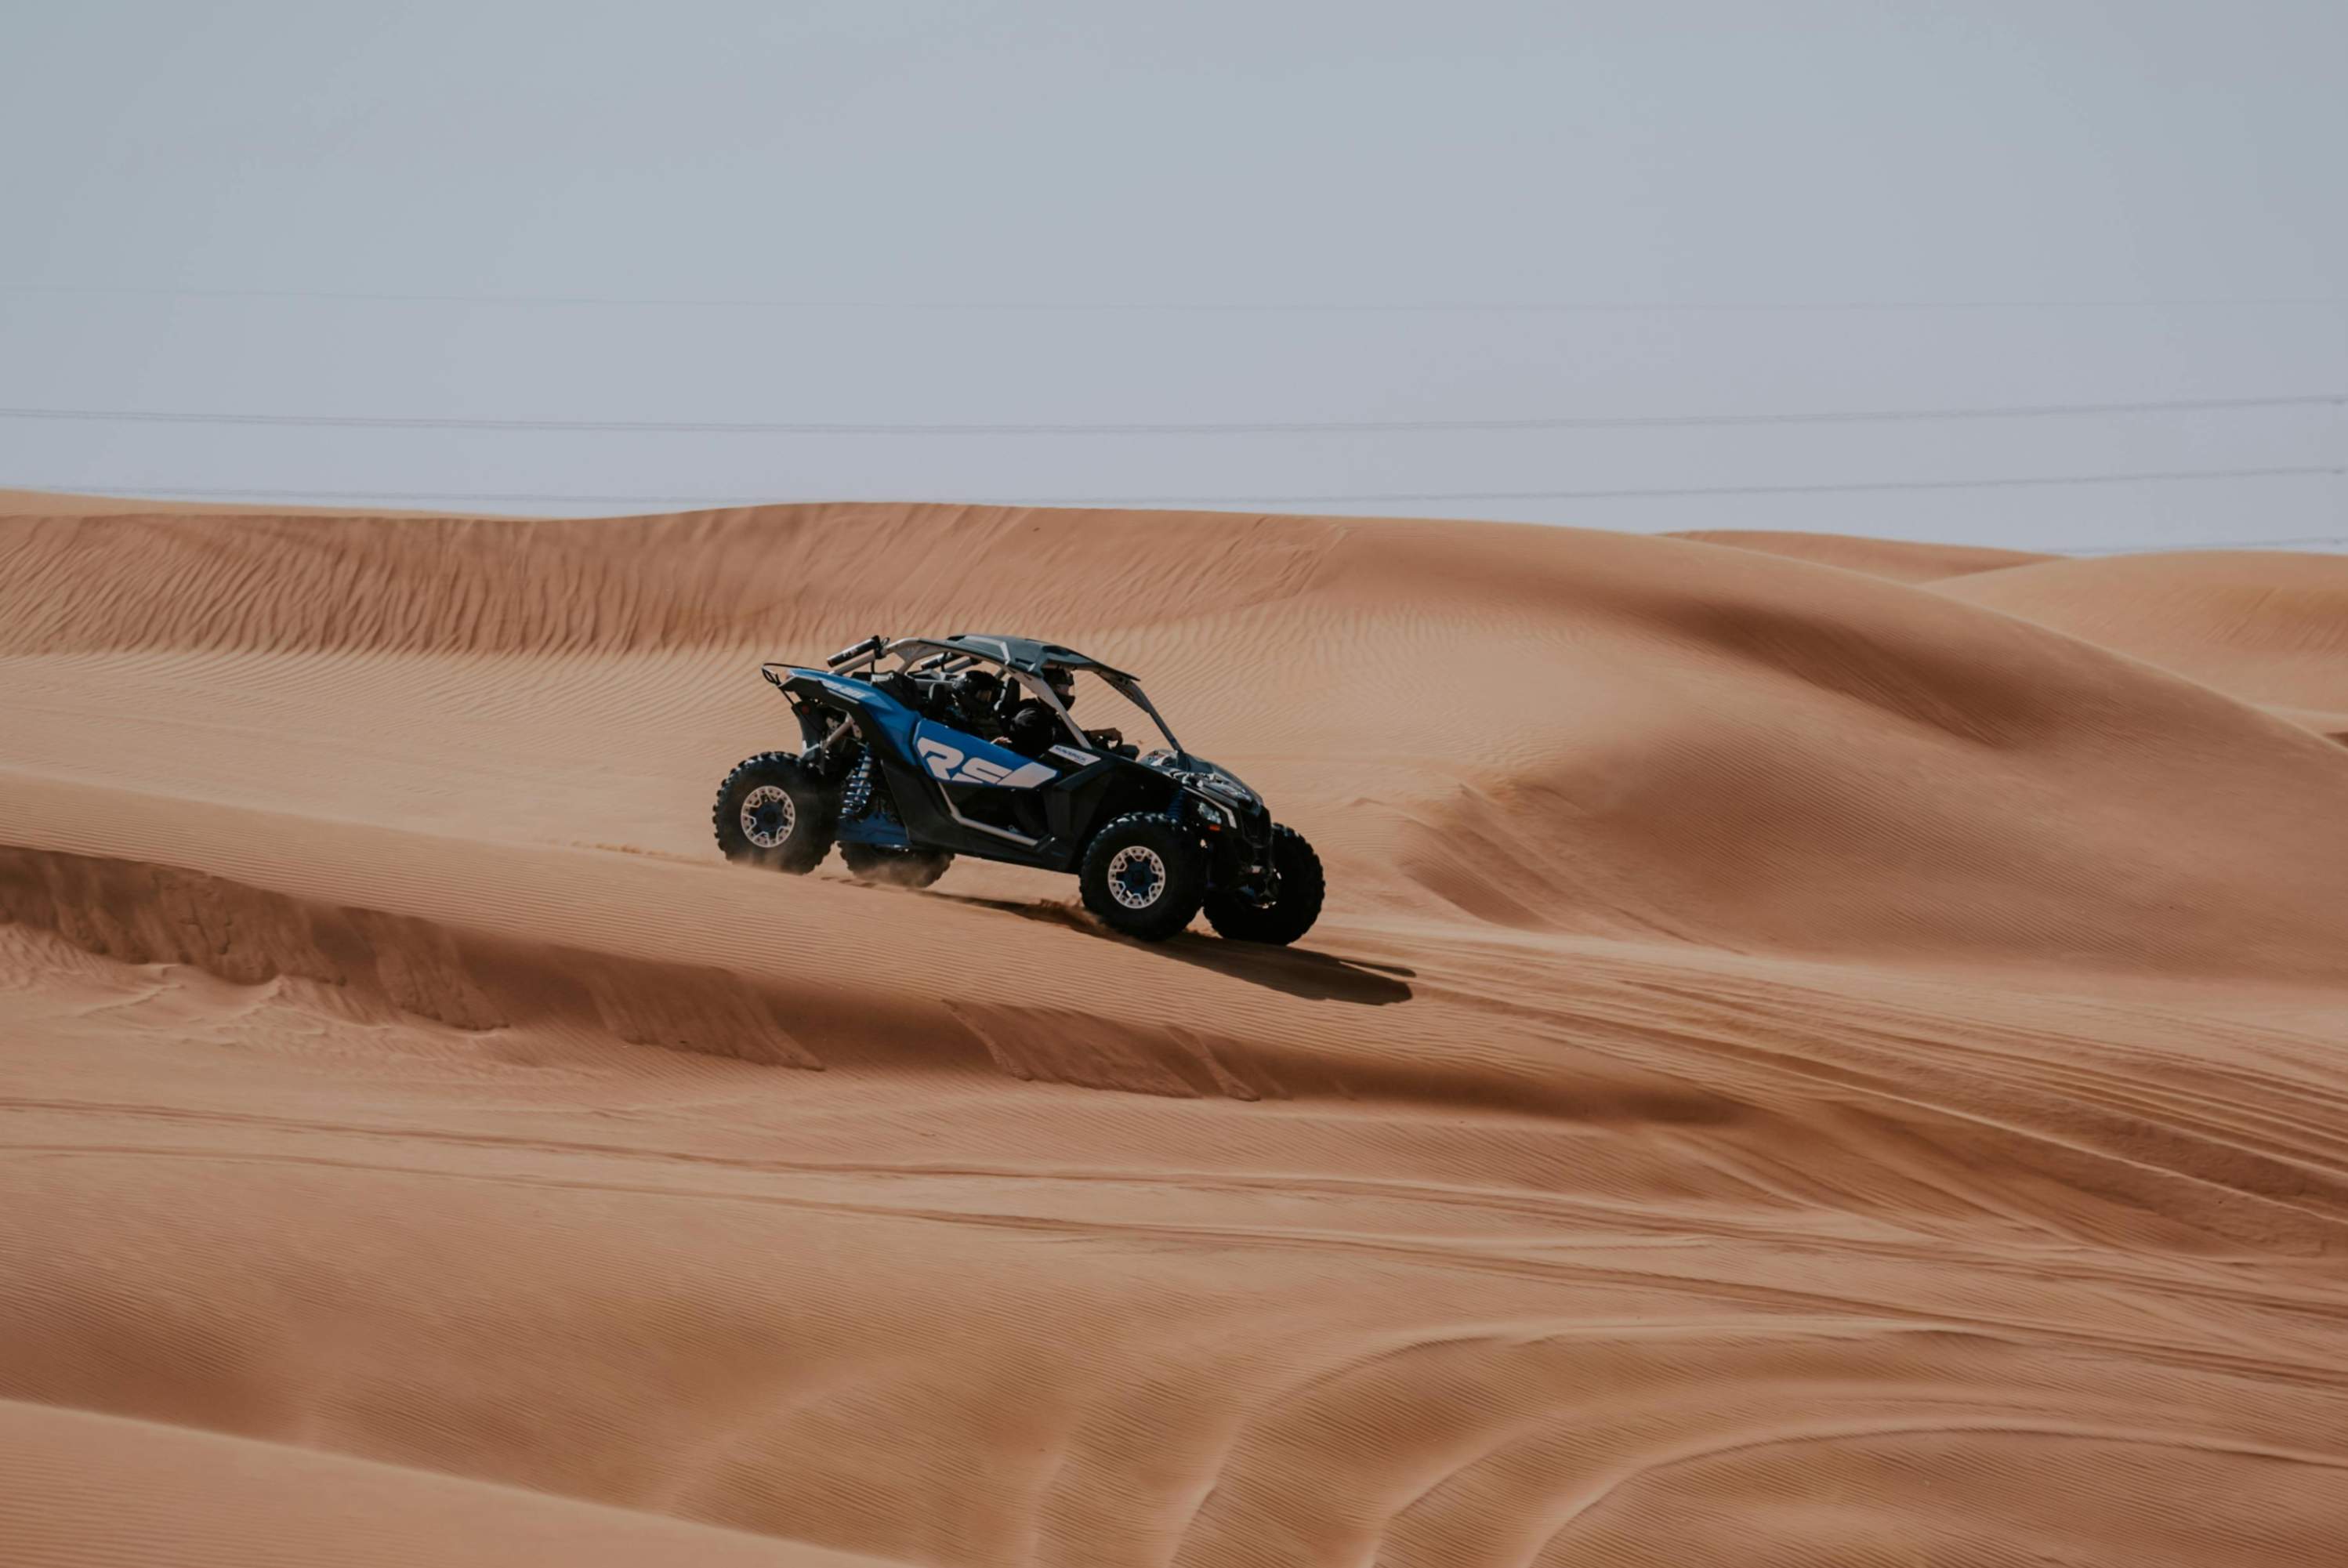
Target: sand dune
[1818,1052]
[2269,628]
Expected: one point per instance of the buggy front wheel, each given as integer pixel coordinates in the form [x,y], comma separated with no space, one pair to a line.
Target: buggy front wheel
[1143,876]
[1292,909]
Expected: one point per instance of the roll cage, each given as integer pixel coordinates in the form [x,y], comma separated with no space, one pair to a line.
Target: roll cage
[1021,659]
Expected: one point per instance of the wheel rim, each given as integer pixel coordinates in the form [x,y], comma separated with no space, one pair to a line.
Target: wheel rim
[767,816]
[1136,876]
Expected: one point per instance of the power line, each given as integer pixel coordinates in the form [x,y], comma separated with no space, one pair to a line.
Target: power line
[1382,498]
[1255,427]
[1693,490]
[1203,307]
[2202,544]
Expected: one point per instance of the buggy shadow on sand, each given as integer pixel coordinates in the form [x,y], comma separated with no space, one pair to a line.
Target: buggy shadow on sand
[918,749]
[1298,971]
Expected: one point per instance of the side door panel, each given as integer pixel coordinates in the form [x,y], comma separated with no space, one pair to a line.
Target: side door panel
[964,763]
[989,788]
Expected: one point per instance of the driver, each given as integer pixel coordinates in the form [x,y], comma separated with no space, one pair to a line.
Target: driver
[973,699]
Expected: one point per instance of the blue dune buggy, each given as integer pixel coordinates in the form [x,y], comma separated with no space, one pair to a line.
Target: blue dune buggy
[918,749]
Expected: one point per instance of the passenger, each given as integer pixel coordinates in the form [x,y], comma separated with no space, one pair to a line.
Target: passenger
[1033,729]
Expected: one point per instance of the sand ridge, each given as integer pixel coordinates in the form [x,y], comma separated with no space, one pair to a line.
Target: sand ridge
[1900,560]
[1817,1053]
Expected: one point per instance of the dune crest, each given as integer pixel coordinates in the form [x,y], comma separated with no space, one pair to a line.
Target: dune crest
[1900,560]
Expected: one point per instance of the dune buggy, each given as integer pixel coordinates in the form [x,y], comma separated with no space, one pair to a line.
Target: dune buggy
[918,749]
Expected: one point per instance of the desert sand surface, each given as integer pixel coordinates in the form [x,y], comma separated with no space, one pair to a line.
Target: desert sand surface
[1818,1053]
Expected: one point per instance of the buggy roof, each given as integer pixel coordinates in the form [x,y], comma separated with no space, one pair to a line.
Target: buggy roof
[1026,654]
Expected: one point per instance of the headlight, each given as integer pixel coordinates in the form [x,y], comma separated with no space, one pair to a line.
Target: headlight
[1212,812]
[1222,785]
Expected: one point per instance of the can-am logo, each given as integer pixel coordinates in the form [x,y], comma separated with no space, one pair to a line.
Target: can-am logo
[955,766]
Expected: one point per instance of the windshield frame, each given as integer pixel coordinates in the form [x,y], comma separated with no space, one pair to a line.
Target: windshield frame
[1126,687]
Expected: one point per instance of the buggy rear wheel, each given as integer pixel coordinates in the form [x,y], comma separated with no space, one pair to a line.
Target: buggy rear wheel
[895,867]
[1143,876]
[770,813]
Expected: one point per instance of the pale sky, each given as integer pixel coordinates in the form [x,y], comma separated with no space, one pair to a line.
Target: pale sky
[881,215]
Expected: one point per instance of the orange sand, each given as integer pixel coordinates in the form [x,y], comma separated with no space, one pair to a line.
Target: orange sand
[1819,1051]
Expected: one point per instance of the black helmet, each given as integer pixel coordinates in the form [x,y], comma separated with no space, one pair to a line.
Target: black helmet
[976,694]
